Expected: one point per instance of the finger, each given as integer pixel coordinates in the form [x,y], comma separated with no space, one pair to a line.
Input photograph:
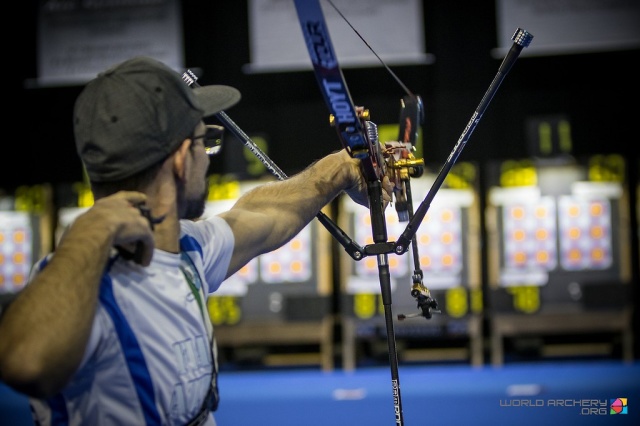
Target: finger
[134,197]
[387,185]
[139,251]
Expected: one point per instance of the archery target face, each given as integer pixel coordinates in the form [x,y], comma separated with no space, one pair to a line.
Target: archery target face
[440,240]
[529,231]
[368,267]
[289,263]
[15,250]
[439,243]
[585,233]
[249,272]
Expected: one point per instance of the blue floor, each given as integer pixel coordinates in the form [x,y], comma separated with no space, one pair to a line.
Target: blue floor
[542,393]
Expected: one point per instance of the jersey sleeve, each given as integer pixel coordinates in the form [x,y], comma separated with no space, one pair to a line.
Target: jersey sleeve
[216,241]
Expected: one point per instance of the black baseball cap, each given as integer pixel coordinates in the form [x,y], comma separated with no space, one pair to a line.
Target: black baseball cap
[136,114]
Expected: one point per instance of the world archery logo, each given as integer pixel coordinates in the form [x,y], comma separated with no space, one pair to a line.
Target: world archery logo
[618,406]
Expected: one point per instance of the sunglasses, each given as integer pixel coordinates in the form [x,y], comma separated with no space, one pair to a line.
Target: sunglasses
[212,139]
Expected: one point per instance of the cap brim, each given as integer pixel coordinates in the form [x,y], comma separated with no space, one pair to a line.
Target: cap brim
[213,99]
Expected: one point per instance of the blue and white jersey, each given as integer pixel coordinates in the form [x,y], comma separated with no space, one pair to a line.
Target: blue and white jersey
[148,360]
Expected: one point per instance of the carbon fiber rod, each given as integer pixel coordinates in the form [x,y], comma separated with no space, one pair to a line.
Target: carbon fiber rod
[521,39]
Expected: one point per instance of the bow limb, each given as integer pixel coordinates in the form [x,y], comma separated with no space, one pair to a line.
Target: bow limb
[357,135]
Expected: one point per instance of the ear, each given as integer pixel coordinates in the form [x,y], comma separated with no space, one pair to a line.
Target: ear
[180,159]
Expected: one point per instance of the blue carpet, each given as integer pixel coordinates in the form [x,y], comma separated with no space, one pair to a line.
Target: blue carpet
[558,393]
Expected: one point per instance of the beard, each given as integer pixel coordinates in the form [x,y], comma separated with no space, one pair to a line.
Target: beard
[194,207]
[191,204]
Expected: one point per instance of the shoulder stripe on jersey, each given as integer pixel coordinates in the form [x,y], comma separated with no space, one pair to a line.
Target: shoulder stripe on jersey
[132,352]
[189,244]
[39,266]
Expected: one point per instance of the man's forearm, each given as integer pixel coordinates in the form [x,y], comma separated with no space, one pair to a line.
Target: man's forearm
[303,195]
